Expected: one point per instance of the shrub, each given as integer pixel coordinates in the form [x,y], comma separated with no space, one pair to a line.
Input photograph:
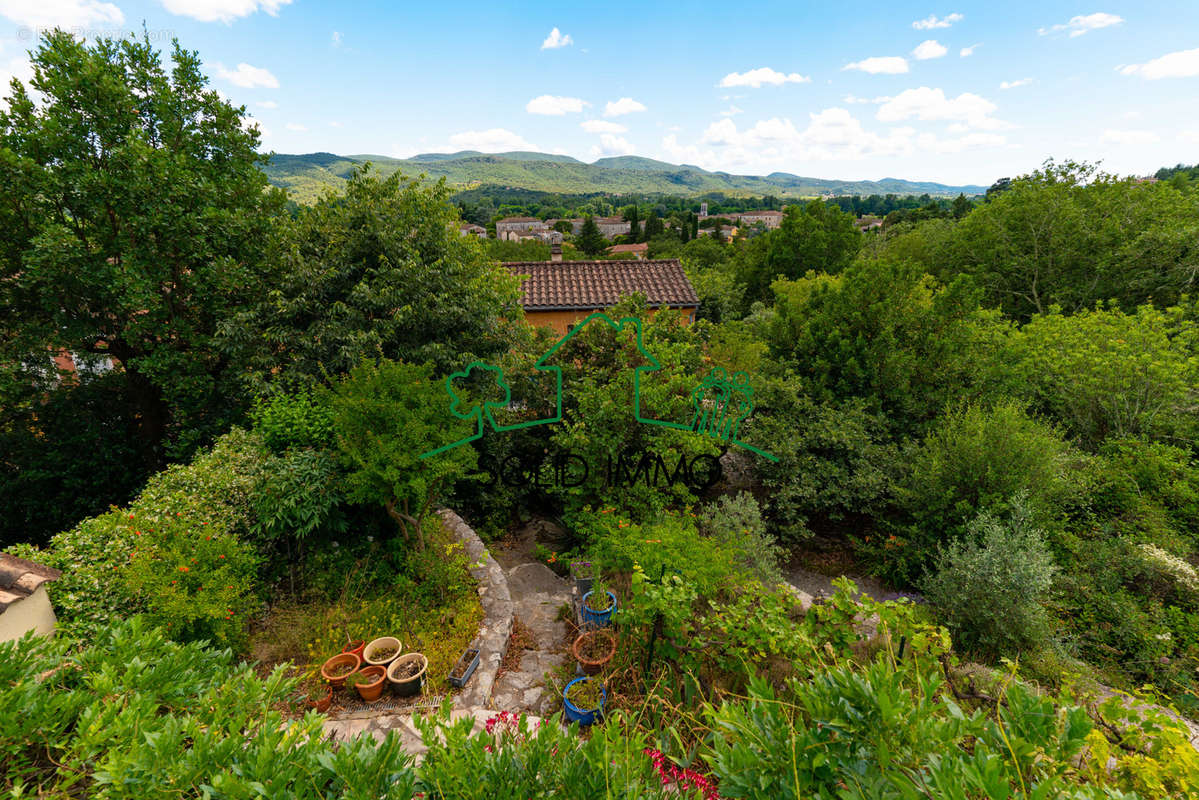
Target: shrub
[990,587]
[293,420]
[735,523]
[190,577]
[975,460]
[299,492]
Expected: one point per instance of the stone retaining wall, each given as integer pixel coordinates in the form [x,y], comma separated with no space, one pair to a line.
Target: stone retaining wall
[496,628]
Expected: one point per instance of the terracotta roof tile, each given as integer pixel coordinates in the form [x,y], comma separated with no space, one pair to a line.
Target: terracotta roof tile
[20,578]
[600,284]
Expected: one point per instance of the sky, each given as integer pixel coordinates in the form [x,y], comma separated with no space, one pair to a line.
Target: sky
[956,92]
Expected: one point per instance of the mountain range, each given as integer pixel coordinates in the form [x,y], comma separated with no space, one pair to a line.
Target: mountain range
[306,176]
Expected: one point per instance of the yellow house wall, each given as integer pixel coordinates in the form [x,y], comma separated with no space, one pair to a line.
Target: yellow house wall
[34,613]
[562,321]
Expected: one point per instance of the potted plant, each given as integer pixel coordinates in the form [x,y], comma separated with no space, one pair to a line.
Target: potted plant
[599,603]
[467,662]
[594,649]
[320,697]
[340,667]
[406,673]
[584,699]
[368,682]
[382,651]
[584,574]
[355,646]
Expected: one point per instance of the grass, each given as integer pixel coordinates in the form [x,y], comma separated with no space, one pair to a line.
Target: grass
[307,632]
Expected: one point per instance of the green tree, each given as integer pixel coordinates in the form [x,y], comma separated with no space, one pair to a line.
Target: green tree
[590,240]
[633,217]
[386,415]
[134,222]
[815,236]
[380,271]
[653,226]
[961,206]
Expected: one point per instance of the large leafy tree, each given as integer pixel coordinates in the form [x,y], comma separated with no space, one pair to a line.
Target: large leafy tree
[132,220]
[815,236]
[380,271]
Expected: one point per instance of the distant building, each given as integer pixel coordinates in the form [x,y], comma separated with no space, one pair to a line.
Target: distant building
[512,229]
[638,251]
[772,219]
[557,294]
[468,229]
[613,226]
[868,223]
[576,225]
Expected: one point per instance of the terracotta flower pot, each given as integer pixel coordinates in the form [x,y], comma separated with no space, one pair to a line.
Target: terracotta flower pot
[323,702]
[371,688]
[405,684]
[356,647]
[335,669]
[370,654]
[588,644]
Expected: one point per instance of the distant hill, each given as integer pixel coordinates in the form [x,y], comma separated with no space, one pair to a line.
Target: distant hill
[306,176]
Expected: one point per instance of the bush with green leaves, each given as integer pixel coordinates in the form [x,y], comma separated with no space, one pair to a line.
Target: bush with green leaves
[735,522]
[293,419]
[975,459]
[991,586]
[299,492]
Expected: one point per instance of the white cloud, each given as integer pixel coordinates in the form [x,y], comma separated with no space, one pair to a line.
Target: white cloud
[248,77]
[18,68]
[931,105]
[602,126]
[731,111]
[1182,64]
[966,52]
[886,65]
[1112,136]
[757,78]
[267,104]
[850,99]
[553,106]
[295,126]
[556,39]
[931,21]
[336,38]
[1015,84]
[65,14]
[625,105]
[225,11]
[1081,24]
[930,48]
[493,140]
[612,146]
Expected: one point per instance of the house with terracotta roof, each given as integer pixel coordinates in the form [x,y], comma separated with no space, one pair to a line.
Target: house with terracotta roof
[639,251]
[24,604]
[470,229]
[557,294]
[613,226]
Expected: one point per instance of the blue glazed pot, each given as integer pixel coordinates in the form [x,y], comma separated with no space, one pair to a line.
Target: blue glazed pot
[601,618]
[582,716]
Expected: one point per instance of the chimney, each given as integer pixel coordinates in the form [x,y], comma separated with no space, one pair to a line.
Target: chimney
[555,252]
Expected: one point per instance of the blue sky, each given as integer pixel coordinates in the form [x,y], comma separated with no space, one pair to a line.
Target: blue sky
[956,92]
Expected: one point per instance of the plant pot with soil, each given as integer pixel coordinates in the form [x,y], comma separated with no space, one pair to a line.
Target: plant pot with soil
[594,649]
[382,651]
[606,602]
[356,646]
[584,699]
[368,682]
[320,698]
[406,674]
[340,667]
[467,662]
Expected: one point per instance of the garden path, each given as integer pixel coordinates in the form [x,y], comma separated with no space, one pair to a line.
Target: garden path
[538,596]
